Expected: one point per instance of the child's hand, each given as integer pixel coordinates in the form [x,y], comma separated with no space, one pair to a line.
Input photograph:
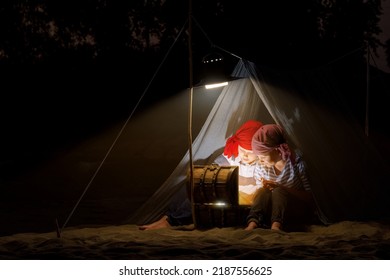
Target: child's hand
[269,184]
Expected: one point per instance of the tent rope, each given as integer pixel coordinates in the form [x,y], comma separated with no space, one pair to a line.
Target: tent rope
[121,130]
[210,42]
[345,55]
[132,113]
[381,77]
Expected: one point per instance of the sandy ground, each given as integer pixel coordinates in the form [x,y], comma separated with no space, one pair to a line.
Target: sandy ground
[344,240]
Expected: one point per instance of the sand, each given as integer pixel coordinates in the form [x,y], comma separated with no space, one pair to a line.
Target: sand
[348,240]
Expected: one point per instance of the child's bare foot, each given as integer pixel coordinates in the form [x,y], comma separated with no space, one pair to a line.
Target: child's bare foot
[162,223]
[276,226]
[251,225]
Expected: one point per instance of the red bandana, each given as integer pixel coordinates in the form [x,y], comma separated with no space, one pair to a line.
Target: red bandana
[242,137]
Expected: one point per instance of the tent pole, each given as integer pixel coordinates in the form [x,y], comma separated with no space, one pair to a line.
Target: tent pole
[58,229]
[366,127]
[191,91]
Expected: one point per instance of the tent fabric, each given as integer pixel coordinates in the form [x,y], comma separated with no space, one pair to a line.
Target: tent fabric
[309,106]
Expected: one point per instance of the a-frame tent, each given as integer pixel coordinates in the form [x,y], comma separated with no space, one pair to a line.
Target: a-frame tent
[345,170]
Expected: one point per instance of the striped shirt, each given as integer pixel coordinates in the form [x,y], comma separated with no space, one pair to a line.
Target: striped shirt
[292,175]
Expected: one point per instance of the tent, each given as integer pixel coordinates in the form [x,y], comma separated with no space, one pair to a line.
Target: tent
[345,170]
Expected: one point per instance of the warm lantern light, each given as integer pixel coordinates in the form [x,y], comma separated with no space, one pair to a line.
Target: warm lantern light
[214,72]
[216,85]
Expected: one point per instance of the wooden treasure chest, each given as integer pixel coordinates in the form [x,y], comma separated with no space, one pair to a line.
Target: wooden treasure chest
[215,196]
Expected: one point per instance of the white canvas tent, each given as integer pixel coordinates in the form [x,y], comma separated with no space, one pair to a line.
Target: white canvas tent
[309,106]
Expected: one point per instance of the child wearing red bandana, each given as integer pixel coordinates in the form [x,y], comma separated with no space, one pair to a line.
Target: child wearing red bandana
[237,152]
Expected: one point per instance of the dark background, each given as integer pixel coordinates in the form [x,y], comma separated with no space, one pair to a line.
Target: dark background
[72,70]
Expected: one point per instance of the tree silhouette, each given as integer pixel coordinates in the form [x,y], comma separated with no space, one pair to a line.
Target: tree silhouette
[101,30]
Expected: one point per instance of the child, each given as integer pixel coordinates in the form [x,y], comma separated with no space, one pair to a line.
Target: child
[285,195]
[237,152]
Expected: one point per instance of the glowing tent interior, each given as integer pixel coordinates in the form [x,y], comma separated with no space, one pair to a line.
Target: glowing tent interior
[308,104]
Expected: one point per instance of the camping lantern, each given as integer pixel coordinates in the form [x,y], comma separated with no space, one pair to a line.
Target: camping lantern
[213,71]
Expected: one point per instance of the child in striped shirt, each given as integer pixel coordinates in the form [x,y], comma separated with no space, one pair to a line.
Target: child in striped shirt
[284,196]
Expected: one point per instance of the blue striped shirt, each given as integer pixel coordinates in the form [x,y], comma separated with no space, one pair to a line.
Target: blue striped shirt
[292,175]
